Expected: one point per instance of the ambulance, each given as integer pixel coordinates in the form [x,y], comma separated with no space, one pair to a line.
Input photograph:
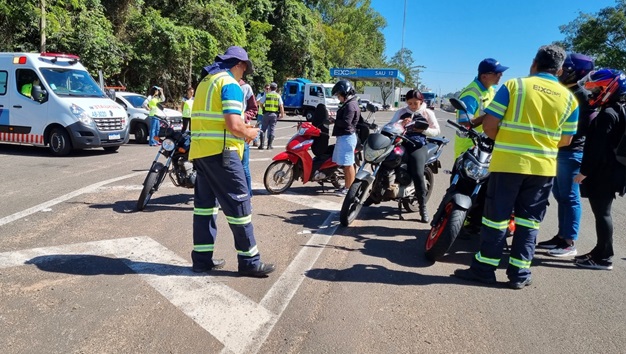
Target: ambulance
[49,99]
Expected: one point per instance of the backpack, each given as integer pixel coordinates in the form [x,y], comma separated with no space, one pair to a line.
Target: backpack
[620,150]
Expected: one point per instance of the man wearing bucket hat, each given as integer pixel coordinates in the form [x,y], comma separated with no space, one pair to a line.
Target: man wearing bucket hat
[218,135]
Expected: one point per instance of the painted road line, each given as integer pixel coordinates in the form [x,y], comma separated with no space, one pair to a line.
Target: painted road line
[261,159]
[7,219]
[225,313]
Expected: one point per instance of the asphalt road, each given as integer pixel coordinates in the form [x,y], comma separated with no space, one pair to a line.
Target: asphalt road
[82,272]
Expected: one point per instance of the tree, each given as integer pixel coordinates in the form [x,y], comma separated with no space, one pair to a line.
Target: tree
[601,35]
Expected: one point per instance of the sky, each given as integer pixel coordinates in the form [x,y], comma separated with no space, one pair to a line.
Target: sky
[450,37]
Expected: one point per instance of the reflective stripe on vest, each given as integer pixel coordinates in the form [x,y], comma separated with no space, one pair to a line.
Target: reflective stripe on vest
[483,98]
[272,101]
[209,134]
[531,127]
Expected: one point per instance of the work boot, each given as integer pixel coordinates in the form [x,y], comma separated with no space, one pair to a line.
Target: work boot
[261,140]
[270,140]
[422,208]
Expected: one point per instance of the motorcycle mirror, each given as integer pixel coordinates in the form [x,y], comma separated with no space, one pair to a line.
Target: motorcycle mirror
[370,107]
[458,104]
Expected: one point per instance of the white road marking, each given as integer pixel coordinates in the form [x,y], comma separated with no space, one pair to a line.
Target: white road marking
[236,321]
[261,159]
[7,219]
[225,313]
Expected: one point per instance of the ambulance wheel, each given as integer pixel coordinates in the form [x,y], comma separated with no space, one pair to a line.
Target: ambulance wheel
[59,142]
[141,133]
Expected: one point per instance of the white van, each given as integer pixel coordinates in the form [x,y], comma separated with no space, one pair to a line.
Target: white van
[50,99]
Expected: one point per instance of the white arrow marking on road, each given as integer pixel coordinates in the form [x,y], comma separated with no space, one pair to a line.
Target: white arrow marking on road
[225,313]
[236,321]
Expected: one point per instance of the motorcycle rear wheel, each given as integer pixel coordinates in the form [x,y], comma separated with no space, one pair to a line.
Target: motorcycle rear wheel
[445,231]
[353,203]
[276,179]
[411,205]
[148,189]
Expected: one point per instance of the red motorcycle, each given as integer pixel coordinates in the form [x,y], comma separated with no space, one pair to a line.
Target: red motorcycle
[297,163]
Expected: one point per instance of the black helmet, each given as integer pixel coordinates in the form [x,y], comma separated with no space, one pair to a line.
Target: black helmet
[575,67]
[344,88]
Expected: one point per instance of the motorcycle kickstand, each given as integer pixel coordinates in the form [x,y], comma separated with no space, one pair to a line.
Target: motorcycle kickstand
[400,210]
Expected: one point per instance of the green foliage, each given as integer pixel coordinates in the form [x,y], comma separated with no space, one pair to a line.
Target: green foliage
[601,35]
[140,43]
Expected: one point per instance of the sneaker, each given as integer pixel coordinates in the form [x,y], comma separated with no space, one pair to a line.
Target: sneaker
[590,263]
[471,275]
[520,284]
[203,268]
[342,191]
[551,243]
[583,257]
[563,250]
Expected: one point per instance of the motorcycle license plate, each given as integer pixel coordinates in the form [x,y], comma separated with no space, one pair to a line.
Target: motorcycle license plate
[114,136]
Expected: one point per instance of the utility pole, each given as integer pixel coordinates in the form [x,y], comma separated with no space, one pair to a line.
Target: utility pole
[42,27]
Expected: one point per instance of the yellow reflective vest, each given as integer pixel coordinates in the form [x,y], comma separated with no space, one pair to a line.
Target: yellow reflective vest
[209,134]
[483,97]
[272,101]
[538,113]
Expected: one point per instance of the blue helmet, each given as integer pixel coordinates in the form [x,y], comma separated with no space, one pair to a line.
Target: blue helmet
[575,67]
[604,85]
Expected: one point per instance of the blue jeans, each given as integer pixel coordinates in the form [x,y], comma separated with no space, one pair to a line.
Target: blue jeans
[245,161]
[155,126]
[567,193]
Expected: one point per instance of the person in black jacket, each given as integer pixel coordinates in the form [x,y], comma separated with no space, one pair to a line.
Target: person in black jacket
[601,174]
[568,160]
[345,130]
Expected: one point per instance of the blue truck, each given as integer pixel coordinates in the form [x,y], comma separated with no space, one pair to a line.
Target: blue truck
[301,96]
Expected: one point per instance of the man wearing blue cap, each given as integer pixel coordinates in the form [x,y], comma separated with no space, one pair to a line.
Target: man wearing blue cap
[218,135]
[529,119]
[477,96]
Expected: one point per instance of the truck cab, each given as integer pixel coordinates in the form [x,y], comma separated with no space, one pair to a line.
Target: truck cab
[430,98]
[301,96]
[49,99]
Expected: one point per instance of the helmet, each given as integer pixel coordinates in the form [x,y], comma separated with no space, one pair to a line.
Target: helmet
[414,93]
[603,85]
[344,88]
[575,67]
[273,86]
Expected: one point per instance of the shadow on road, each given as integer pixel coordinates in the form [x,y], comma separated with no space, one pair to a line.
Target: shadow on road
[163,203]
[371,273]
[98,265]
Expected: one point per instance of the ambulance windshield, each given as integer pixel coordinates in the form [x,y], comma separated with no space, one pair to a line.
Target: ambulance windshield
[71,82]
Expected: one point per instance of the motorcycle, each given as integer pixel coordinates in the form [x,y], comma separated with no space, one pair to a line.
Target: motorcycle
[389,178]
[296,161]
[175,148]
[469,175]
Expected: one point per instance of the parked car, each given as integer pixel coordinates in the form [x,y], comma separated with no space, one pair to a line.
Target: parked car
[363,104]
[138,116]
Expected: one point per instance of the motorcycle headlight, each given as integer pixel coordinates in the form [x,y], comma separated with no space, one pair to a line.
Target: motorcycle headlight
[371,155]
[168,145]
[80,114]
[475,171]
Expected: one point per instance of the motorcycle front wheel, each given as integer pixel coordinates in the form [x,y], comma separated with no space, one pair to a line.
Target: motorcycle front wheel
[279,176]
[148,189]
[445,231]
[353,203]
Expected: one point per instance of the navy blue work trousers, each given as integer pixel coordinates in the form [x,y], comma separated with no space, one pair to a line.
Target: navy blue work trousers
[226,185]
[526,196]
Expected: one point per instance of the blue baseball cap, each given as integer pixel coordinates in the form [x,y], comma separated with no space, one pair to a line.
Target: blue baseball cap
[490,65]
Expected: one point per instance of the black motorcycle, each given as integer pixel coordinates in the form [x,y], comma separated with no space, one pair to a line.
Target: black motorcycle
[175,148]
[388,177]
[469,174]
